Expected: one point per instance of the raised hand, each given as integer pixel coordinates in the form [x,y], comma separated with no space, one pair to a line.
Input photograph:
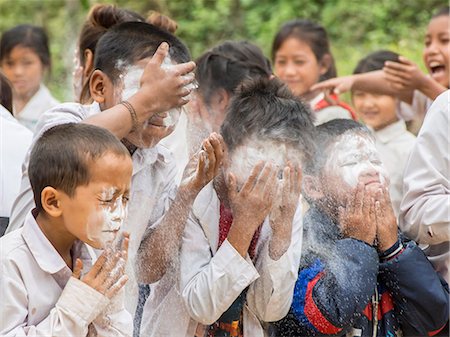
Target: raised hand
[404,75]
[107,275]
[387,231]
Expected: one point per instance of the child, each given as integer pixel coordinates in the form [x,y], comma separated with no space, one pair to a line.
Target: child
[242,241]
[302,57]
[403,79]
[15,139]
[380,112]
[24,59]
[424,211]
[48,284]
[357,277]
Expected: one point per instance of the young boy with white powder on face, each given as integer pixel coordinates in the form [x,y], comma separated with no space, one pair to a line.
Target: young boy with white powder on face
[132,95]
[242,240]
[49,284]
[357,276]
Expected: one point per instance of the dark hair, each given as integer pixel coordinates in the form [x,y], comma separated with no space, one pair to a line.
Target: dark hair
[375,61]
[227,65]
[100,18]
[313,34]
[5,93]
[441,12]
[130,42]
[326,134]
[61,156]
[28,36]
[267,109]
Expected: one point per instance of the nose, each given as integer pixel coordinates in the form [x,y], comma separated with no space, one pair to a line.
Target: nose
[432,48]
[290,69]
[370,174]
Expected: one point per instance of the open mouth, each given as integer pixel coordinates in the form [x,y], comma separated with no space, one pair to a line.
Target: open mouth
[436,67]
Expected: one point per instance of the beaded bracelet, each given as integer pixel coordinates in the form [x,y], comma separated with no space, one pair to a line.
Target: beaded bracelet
[133,114]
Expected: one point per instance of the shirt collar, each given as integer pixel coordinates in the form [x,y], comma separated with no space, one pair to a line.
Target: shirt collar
[46,256]
[316,100]
[391,131]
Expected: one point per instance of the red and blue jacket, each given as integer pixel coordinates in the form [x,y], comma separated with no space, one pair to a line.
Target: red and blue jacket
[345,288]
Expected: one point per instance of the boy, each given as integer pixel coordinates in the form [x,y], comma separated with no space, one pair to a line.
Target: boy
[127,74]
[48,284]
[242,242]
[357,277]
[380,113]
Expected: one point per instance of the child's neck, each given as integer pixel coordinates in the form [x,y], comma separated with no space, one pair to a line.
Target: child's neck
[58,236]
[20,101]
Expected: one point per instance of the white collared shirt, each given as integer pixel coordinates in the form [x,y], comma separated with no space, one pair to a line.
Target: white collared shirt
[41,101]
[394,144]
[15,140]
[153,186]
[40,298]
[208,279]
[425,208]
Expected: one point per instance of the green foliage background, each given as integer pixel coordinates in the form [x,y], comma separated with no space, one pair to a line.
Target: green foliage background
[355,27]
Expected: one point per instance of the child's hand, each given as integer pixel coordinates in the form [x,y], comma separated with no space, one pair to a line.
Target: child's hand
[107,275]
[286,201]
[205,164]
[404,75]
[162,89]
[337,85]
[251,205]
[387,232]
[358,218]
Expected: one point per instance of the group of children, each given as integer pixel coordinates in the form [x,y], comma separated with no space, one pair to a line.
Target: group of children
[251,206]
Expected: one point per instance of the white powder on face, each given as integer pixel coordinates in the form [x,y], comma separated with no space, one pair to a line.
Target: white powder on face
[353,156]
[105,222]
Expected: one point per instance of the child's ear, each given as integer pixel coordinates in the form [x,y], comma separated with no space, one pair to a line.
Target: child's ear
[325,63]
[222,99]
[51,201]
[97,85]
[312,187]
[88,63]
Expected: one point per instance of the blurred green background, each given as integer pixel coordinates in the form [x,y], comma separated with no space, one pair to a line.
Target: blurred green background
[355,27]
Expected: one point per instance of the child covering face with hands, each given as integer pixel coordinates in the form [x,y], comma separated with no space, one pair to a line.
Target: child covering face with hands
[357,276]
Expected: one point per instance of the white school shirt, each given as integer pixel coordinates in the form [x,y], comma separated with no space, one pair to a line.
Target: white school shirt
[40,298]
[394,144]
[41,101]
[15,139]
[210,279]
[329,113]
[425,209]
[152,187]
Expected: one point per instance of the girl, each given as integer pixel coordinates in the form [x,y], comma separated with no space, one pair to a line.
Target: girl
[404,79]
[24,58]
[302,57]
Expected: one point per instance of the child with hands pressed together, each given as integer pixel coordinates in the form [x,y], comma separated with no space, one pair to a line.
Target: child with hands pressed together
[50,284]
[357,276]
[242,240]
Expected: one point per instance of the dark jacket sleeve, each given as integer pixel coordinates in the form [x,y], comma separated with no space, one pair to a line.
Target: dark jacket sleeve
[329,292]
[421,297]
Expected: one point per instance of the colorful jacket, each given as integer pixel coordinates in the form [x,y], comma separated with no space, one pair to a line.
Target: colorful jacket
[343,281]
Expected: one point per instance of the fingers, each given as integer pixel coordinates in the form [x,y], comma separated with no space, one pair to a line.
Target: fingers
[98,265]
[77,269]
[359,199]
[232,186]
[184,69]
[267,176]
[400,74]
[160,53]
[114,289]
[250,182]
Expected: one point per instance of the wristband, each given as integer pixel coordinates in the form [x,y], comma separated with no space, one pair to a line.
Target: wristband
[134,119]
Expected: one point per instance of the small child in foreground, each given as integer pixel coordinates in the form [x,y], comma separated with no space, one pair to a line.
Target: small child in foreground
[50,285]
[357,276]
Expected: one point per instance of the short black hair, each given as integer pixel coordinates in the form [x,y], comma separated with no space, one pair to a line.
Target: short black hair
[129,42]
[267,109]
[61,156]
[29,36]
[226,65]
[375,61]
[444,11]
[6,95]
[326,134]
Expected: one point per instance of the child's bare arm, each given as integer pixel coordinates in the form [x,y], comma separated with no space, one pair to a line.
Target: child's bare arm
[283,210]
[251,205]
[160,91]
[406,76]
[358,218]
[160,244]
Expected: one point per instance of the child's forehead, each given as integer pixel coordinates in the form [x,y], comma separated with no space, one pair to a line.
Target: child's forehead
[351,143]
